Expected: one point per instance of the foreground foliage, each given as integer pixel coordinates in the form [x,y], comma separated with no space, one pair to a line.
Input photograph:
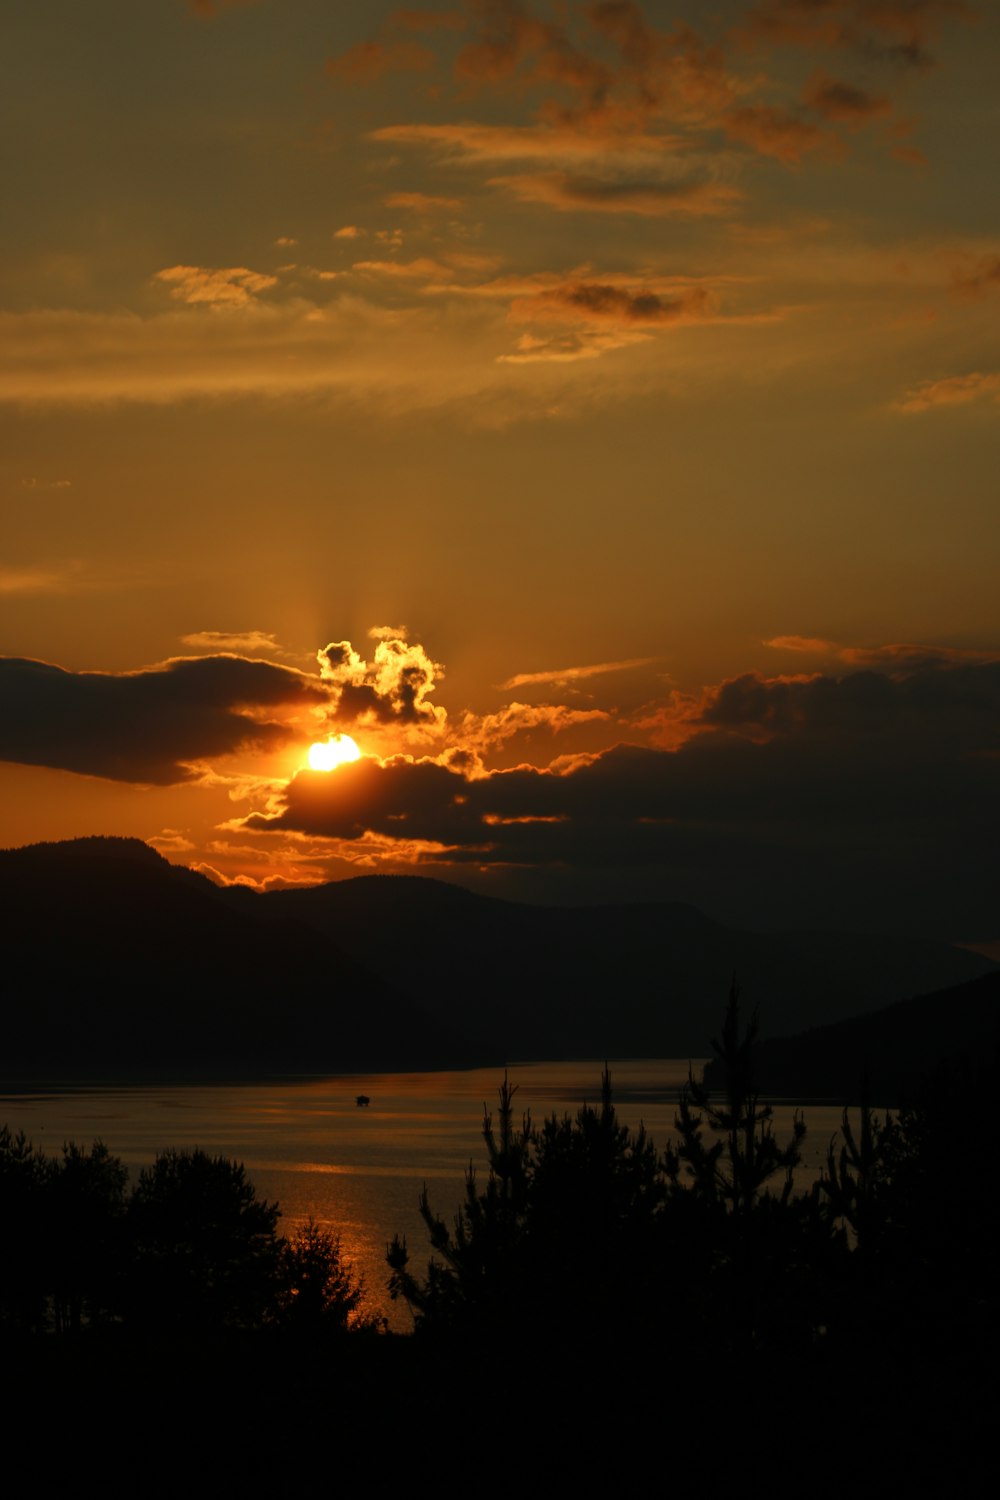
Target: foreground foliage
[582,1232]
[190,1250]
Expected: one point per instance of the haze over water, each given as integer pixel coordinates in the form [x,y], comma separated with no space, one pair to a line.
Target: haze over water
[359,1171]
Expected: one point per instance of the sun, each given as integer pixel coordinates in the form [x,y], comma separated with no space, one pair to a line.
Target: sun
[326,755]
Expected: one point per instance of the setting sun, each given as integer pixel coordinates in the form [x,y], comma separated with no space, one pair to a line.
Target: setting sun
[326,755]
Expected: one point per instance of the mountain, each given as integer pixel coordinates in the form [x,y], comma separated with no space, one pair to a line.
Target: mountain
[116,962]
[606,981]
[956,1028]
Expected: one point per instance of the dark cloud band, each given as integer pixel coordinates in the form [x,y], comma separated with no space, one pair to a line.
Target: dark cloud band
[145,726]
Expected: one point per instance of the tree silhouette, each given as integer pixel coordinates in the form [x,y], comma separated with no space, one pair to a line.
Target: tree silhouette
[736,1167]
[203,1246]
[755,1259]
[25,1176]
[559,1235]
[317,1291]
[86,1241]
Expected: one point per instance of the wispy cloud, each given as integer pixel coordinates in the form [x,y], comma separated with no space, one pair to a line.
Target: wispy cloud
[367,61]
[423,203]
[574,674]
[953,390]
[63,578]
[222,640]
[655,200]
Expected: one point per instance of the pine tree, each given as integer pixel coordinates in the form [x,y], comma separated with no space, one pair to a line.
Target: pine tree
[734,1169]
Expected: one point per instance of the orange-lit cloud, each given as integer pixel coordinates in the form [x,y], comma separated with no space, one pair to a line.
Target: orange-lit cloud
[35,579]
[239,641]
[953,390]
[371,60]
[422,269]
[569,193]
[574,674]
[235,287]
[480,733]
[556,144]
[808,644]
[775,131]
[393,688]
[423,203]
[595,302]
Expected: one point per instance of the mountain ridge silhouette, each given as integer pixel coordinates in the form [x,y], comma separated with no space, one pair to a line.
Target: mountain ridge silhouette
[119,962]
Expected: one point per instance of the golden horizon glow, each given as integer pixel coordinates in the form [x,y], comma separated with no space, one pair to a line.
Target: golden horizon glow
[338,750]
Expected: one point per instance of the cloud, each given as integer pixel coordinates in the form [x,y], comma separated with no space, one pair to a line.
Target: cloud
[285,240]
[953,390]
[896,656]
[902,656]
[368,61]
[585,194]
[421,269]
[348,347]
[980,278]
[569,348]
[777,132]
[807,793]
[472,142]
[239,641]
[596,302]
[172,841]
[480,734]
[616,97]
[235,287]
[348,232]
[393,688]
[843,102]
[809,644]
[422,203]
[46,484]
[148,726]
[66,578]
[897,31]
[574,674]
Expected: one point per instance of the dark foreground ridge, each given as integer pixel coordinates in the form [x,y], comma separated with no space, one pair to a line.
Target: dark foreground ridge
[118,964]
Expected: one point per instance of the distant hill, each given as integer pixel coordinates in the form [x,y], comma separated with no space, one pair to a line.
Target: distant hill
[957,1028]
[118,963]
[606,981]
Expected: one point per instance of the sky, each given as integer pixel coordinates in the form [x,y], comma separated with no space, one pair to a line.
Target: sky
[590,409]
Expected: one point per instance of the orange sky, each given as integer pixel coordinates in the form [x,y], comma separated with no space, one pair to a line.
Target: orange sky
[619,381]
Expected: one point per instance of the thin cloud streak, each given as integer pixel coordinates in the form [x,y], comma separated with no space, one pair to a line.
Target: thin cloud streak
[573,674]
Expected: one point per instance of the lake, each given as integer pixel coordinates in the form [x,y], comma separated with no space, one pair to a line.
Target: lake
[359,1171]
